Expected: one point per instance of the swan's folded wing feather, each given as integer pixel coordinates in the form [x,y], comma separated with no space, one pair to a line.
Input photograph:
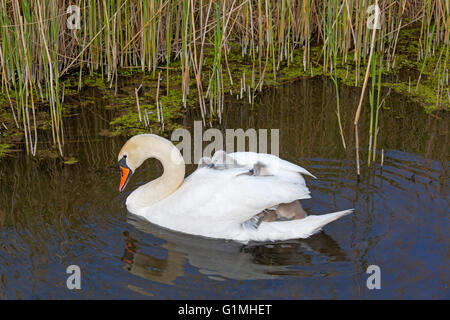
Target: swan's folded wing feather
[211,201]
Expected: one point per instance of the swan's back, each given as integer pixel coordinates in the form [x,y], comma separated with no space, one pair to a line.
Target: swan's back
[216,200]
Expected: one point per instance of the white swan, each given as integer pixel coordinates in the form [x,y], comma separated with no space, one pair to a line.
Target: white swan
[239,196]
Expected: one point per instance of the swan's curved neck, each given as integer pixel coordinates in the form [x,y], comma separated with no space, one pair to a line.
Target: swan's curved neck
[152,146]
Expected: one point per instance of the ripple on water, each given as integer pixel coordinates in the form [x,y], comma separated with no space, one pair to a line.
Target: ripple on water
[53,216]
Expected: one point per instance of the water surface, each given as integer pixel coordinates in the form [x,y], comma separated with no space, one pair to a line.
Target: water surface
[54,215]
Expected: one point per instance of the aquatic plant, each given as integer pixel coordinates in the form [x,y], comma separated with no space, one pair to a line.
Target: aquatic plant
[41,41]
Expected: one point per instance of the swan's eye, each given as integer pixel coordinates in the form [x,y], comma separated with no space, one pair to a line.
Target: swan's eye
[124,156]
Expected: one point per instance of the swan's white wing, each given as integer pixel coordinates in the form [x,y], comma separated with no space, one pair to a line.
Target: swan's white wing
[214,202]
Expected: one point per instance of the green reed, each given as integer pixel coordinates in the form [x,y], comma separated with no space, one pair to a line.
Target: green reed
[332,51]
[37,48]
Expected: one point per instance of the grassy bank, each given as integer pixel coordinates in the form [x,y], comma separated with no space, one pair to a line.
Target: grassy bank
[202,50]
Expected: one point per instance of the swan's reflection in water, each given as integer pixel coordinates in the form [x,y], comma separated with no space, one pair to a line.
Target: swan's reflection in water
[221,259]
[151,268]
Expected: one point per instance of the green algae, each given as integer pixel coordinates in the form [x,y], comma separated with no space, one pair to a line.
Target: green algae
[70,160]
[5,149]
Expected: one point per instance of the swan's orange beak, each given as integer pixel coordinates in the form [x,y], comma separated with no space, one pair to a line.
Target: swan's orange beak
[125,174]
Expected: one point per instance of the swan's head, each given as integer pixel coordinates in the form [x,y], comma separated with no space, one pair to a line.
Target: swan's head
[131,156]
[143,146]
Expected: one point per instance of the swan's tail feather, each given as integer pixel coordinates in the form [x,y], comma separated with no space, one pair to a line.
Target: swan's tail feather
[325,219]
[293,229]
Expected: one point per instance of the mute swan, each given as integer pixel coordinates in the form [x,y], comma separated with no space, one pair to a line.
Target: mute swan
[239,196]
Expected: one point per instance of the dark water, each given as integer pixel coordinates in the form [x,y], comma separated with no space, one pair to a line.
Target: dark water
[53,215]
